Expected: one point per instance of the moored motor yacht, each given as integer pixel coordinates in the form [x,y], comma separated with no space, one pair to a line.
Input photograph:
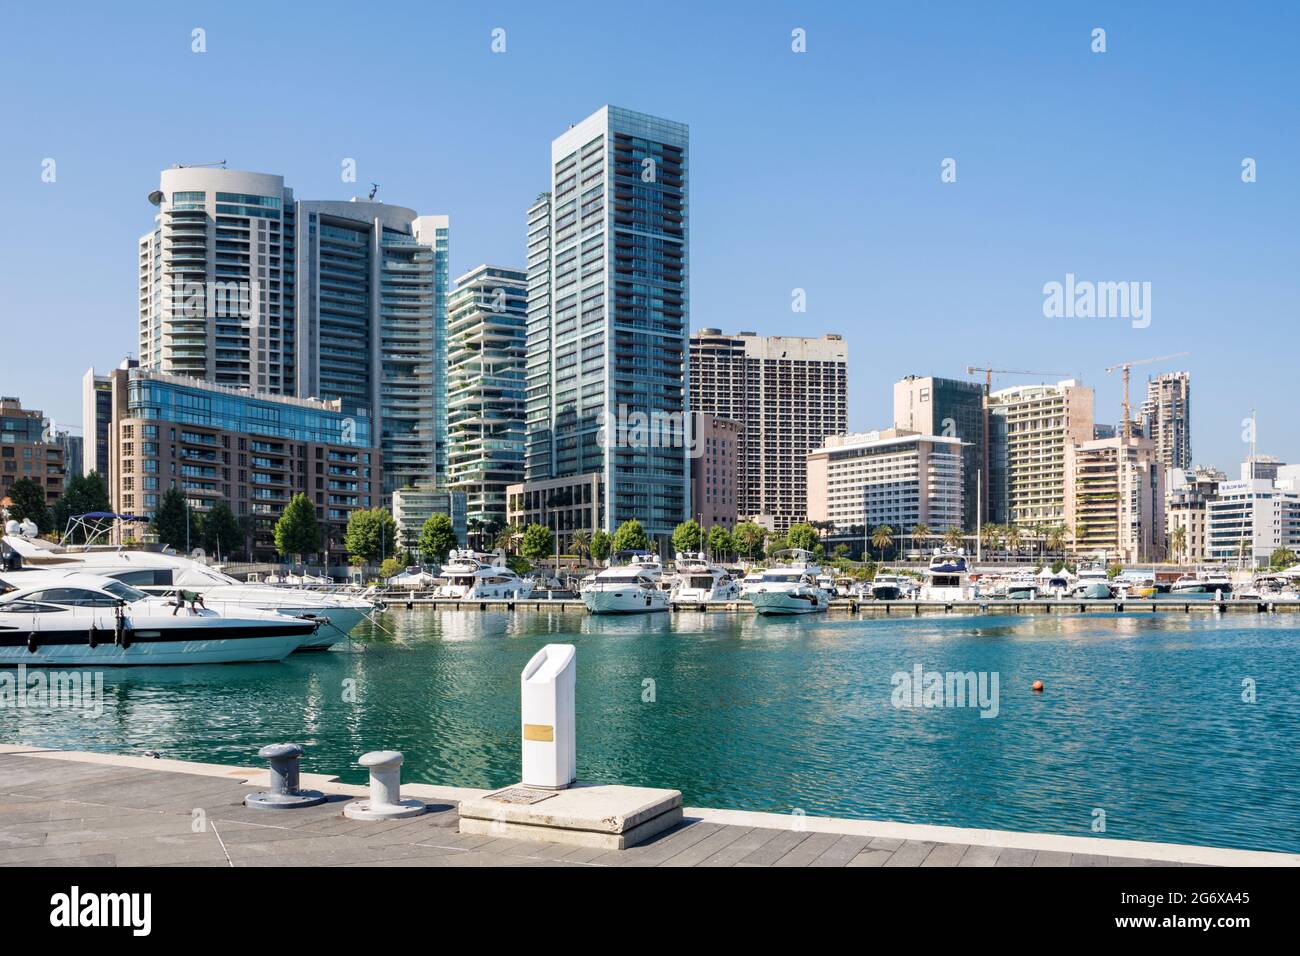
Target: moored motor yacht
[76,619]
[628,588]
[790,585]
[699,582]
[888,586]
[469,576]
[943,576]
[163,574]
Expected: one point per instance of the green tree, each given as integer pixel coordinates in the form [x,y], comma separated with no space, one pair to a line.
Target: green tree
[437,538]
[776,542]
[1012,538]
[1178,541]
[172,522]
[803,536]
[721,543]
[509,537]
[580,542]
[81,495]
[882,538]
[391,567]
[371,535]
[538,542]
[921,532]
[687,536]
[221,533]
[748,538]
[28,504]
[1281,558]
[600,545]
[1056,539]
[297,532]
[953,537]
[630,536]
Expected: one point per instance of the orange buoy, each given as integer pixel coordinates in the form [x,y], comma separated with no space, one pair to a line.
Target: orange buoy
[1038,687]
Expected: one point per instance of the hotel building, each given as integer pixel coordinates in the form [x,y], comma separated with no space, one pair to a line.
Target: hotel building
[252,451]
[608,291]
[241,285]
[485,388]
[889,477]
[27,451]
[715,477]
[1030,428]
[789,394]
[946,406]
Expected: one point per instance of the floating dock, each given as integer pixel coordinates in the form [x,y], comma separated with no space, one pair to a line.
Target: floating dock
[1139,606]
[62,808]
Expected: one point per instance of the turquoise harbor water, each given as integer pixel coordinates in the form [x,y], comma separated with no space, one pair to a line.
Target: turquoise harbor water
[1142,717]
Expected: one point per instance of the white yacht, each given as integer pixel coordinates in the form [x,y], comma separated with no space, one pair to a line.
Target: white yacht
[76,619]
[888,586]
[162,574]
[754,578]
[629,588]
[469,576]
[943,577]
[699,582]
[790,586]
[412,579]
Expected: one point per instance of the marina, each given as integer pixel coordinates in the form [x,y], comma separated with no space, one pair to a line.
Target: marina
[782,715]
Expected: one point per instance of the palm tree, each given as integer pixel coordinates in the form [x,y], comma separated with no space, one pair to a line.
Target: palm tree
[1055,538]
[474,527]
[581,544]
[952,537]
[1012,538]
[921,531]
[1178,541]
[991,534]
[882,538]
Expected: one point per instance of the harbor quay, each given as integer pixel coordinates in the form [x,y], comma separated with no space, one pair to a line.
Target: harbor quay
[74,809]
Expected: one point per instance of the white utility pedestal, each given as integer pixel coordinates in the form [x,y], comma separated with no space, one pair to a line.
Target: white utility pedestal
[547,688]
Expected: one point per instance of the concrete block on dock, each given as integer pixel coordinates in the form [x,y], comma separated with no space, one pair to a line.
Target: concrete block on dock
[607,817]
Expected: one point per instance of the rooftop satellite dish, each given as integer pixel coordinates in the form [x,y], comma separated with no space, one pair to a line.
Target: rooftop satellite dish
[156,197]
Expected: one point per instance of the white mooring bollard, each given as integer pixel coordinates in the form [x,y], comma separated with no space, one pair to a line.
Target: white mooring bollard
[385,801]
[547,689]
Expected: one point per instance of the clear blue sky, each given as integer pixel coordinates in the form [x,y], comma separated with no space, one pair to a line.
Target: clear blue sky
[817,171]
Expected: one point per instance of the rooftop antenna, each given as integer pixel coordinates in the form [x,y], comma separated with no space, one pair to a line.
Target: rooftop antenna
[374,188]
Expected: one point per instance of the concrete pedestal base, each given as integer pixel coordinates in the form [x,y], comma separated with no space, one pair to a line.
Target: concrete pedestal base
[363,810]
[600,817]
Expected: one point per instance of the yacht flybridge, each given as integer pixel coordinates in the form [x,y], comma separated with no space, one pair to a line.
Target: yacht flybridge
[472,576]
[699,581]
[75,619]
[631,587]
[162,574]
[789,586]
[943,578]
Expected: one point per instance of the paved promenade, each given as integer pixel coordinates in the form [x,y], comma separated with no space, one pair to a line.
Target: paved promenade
[72,809]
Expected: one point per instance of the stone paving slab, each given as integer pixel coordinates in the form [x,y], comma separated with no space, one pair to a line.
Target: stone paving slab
[60,812]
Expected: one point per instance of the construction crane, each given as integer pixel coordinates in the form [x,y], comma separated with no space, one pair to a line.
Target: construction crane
[1124,368]
[990,372]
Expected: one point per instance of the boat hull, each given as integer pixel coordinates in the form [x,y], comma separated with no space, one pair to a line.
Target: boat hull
[799,601]
[629,600]
[155,646]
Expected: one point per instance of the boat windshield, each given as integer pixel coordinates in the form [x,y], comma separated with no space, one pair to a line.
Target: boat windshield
[784,577]
[124,591]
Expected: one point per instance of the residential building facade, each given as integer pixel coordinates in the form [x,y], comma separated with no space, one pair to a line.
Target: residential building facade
[28,451]
[253,451]
[1251,518]
[244,286]
[608,317]
[1167,417]
[789,394]
[97,420]
[715,475]
[946,406]
[1187,495]
[564,505]
[487,344]
[416,504]
[1116,508]
[893,477]
[1030,428]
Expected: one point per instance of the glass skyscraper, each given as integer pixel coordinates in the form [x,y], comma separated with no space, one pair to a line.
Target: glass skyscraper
[608,317]
[241,285]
